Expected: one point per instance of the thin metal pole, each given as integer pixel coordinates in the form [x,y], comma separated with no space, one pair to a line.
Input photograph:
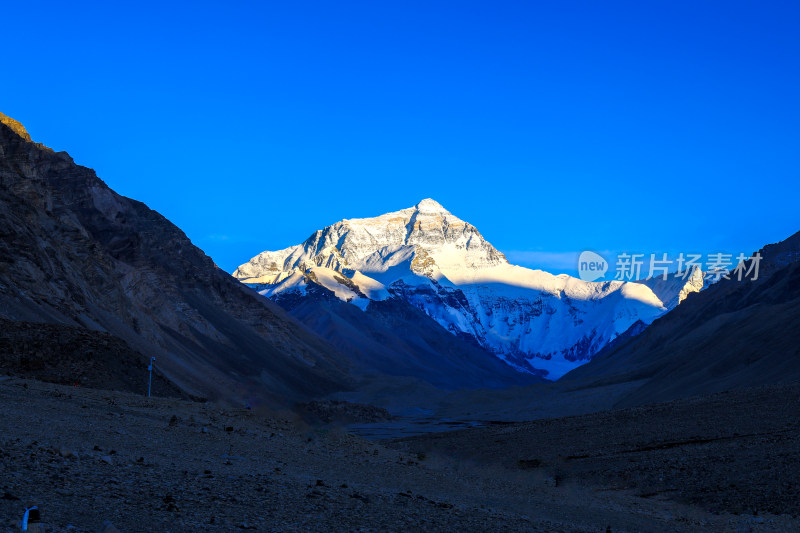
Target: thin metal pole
[150,375]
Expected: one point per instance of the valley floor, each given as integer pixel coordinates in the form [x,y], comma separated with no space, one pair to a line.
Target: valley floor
[88,456]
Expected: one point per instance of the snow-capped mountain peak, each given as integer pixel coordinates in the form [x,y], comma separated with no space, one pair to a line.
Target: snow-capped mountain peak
[429,205]
[532,320]
[447,240]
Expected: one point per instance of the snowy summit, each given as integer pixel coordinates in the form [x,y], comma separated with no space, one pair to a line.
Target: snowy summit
[535,321]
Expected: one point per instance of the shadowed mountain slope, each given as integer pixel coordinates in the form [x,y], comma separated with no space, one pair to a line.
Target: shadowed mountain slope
[74,252]
[734,334]
[395,338]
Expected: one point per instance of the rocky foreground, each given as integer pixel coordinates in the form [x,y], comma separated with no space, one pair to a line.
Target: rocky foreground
[91,458]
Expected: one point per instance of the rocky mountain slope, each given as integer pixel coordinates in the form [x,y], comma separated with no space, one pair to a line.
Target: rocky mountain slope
[75,253]
[733,334]
[534,321]
[76,356]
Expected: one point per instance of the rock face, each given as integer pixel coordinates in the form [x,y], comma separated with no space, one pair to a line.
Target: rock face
[74,252]
[15,126]
[534,321]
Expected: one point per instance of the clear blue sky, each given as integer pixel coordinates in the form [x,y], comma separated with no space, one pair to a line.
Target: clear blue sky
[553,127]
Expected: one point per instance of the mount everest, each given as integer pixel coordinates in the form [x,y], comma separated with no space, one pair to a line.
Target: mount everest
[536,322]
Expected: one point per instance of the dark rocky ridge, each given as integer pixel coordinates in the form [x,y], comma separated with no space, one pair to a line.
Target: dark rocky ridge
[734,334]
[74,252]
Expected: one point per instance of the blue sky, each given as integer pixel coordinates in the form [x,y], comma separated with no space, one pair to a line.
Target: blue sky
[553,127]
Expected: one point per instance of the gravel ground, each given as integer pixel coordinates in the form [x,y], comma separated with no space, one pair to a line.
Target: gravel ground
[87,457]
[735,452]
